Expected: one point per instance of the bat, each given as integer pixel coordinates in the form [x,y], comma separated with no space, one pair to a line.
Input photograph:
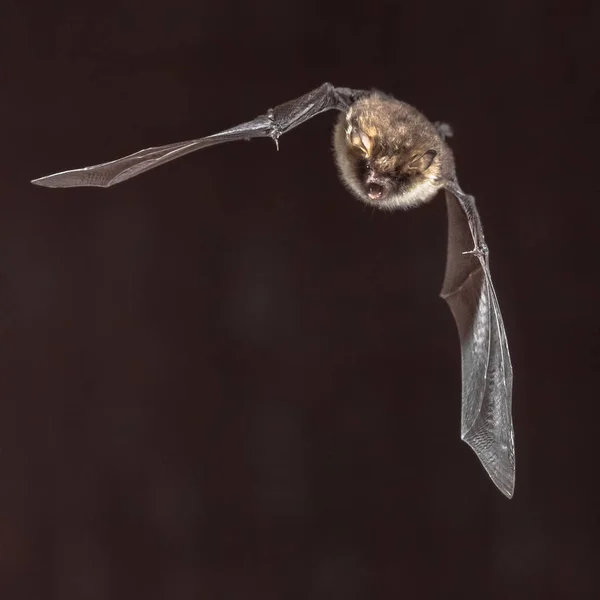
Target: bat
[390,156]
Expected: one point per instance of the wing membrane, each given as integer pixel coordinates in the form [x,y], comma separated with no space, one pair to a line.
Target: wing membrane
[274,123]
[486,424]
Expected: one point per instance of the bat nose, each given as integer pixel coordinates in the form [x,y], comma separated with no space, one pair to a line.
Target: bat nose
[374,191]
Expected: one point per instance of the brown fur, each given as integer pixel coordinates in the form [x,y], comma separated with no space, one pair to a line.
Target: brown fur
[389,137]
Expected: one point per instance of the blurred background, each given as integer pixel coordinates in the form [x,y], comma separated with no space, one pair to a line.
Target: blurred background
[228,379]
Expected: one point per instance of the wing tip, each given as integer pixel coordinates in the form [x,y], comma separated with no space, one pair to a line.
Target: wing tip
[56,180]
[43,181]
[500,469]
[67,179]
[507,490]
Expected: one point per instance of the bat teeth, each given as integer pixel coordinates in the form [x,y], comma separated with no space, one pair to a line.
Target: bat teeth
[374,191]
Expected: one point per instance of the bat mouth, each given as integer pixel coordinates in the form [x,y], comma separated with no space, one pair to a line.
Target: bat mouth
[375,191]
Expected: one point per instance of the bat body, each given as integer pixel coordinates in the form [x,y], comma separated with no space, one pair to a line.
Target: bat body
[390,156]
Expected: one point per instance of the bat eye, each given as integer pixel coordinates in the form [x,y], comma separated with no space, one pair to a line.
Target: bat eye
[374,191]
[362,167]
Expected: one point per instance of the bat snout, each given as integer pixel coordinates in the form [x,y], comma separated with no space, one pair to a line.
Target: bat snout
[375,190]
[376,186]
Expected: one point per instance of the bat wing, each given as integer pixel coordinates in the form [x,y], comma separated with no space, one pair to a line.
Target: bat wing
[273,124]
[486,367]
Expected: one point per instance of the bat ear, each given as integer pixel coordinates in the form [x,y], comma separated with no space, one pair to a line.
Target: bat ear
[423,162]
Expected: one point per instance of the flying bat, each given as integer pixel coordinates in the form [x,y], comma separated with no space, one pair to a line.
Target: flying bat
[390,156]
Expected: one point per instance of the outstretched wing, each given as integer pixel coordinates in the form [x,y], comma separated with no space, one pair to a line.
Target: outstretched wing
[486,368]
[274,123]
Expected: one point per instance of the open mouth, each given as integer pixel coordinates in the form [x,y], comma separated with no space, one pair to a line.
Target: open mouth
[375,191]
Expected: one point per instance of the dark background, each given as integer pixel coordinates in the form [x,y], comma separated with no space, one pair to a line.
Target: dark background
[228,379]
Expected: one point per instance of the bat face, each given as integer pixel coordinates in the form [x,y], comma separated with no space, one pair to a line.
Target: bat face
[388,154]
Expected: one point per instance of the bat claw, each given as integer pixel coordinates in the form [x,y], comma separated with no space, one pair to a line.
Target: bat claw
[275,132]
[479,251]
[444,130]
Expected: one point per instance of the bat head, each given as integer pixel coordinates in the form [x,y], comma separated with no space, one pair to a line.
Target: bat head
[388,154]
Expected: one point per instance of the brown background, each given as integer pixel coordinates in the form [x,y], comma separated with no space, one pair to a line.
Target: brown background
[227,379]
